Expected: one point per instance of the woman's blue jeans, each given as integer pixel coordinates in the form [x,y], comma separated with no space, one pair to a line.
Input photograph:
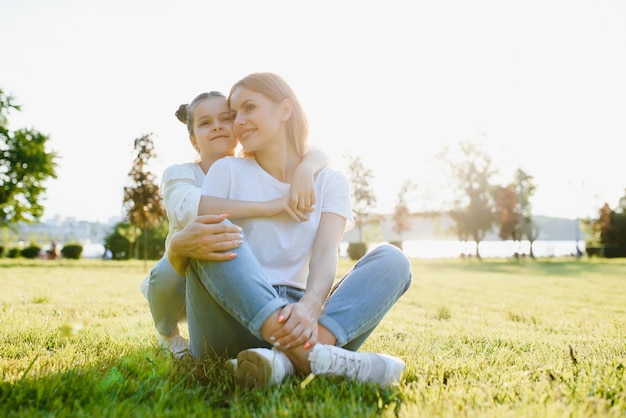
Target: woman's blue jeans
[228,301]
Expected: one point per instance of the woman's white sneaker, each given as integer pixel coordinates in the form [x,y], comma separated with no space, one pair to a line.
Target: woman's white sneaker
[329,360]
[260,367]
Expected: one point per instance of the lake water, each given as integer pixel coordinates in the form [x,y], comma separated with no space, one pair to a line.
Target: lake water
[448,249]
[488,249]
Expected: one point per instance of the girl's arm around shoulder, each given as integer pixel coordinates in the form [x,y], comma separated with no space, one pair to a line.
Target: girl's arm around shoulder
[216,191]
[302,190]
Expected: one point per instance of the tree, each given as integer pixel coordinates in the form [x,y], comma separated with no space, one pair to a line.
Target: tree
[25,165]
[531,231]
[118,243]
[156,239]
[472,209]
[527,227]
[402,214]
[363,198]
[611,227]
[508,210]
[142,200]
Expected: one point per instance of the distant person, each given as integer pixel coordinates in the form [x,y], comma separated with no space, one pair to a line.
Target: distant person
[274,306]
[209,123]
[107,255]
[53,252]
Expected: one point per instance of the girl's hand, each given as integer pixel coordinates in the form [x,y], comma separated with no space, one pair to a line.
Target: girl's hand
[283,204]
[302,191]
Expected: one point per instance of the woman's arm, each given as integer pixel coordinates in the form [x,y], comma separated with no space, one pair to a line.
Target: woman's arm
[206,238]
[300,319]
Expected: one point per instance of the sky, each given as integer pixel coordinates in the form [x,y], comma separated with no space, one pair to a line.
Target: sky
[541,85]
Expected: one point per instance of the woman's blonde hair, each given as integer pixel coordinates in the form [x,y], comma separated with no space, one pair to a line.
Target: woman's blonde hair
[275,88]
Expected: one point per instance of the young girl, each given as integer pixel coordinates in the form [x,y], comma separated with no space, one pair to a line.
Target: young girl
[209,122]
[277,291]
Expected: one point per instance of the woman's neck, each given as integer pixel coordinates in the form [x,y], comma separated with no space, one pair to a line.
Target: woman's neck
[206,161]
[279,162]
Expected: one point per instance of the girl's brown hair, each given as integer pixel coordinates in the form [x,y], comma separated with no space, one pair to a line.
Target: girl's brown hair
[184,113]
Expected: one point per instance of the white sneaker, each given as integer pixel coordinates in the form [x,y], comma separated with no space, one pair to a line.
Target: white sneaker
[177,345]
[231,366]
[262,367]
[330,360]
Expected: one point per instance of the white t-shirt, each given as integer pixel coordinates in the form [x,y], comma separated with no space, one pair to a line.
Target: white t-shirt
[180,188]
[281,245]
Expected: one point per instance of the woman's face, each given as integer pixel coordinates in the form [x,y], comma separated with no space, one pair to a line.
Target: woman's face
[258,120]
[213,128]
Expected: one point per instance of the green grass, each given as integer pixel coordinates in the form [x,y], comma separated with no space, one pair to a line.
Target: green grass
[496,338]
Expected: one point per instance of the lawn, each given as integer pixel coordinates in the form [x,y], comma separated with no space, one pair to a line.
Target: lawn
[491,338]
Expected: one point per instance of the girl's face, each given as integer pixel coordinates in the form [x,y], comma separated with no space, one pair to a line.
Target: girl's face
[258,121]
[212,131]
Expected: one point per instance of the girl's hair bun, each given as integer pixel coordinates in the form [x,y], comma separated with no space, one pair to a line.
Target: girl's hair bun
[181,113]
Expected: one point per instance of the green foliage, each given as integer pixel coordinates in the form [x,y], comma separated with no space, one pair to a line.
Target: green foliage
[402,215]
[25,165]
[72,251]
[156,239]
[13,253]
[117,241]
[142,200]
[363,198]
[610,227]
[473,209]
[32,251]
[121,246]
[356,250]
[397,244]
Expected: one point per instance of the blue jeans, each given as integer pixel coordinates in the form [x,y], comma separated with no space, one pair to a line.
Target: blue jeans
[166,297]
[228,301]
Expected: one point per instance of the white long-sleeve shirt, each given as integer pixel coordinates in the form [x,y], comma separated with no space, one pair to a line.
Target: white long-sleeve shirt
[180,188]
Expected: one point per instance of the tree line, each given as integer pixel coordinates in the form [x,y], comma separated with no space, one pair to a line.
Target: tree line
[477,207]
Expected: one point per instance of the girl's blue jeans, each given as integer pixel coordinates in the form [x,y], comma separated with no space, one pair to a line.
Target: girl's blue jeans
[166,297]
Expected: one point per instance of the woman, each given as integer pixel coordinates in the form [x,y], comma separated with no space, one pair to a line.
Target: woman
[277,291]
[209,123]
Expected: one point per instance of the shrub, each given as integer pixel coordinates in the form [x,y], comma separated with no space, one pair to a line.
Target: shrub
[1,251]
[13,253]
[594,251]
[396,244]
[356,250]
[72,251]
[32,251]
[614,251]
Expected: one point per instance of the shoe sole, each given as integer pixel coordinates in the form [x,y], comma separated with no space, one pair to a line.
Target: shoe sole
[253,370]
